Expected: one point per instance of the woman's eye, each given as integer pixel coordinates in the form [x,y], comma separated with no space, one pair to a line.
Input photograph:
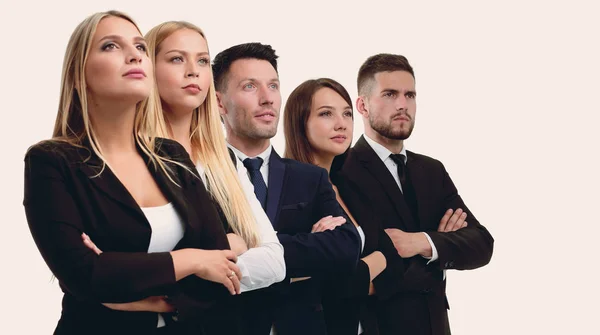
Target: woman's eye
[109,46]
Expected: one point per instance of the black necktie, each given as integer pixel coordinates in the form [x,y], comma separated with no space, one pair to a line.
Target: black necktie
[407,188]
[260,188]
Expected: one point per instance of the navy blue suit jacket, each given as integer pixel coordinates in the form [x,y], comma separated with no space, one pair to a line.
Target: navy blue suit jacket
[298,196]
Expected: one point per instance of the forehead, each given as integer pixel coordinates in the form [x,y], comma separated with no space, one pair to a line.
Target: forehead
[185,40]
[252,68]
[325,96]
[112,25]
[398,80]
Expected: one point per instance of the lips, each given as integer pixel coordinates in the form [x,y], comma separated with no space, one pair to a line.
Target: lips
[192,86]
[400,117]
[266,114]
[135,73]
[339,138]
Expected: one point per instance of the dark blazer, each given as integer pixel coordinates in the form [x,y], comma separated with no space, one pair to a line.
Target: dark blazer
[298,196]
[67,193]
[346,300]
[419,305]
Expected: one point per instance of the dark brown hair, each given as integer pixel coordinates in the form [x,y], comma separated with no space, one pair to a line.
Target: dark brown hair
[296,113]
[380,63]
[223,60]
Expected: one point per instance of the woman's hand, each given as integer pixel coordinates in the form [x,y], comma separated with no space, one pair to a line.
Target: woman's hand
[237,244]
[158,304]
[218,266]
[88,243]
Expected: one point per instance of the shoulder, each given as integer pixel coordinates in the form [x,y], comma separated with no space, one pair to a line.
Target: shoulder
[423,160]
[171,149]
[304,169]
[58,150]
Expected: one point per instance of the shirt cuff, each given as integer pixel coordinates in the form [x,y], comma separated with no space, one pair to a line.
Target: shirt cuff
[434,253]
[246,280]
[361,233]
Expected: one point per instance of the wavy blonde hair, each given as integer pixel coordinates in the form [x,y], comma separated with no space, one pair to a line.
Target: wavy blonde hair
[208,144]
[73,123]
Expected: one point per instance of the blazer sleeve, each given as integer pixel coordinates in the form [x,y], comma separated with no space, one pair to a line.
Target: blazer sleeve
[467,248]
[330,252]
[56,226]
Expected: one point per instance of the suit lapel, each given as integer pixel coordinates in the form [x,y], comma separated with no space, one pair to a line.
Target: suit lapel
[276,176]
[174,193]
[380,172]
[108,183]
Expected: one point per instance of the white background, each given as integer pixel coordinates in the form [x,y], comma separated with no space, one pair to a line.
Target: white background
[507,99]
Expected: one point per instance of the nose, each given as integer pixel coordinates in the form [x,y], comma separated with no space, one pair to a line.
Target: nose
[266,96]
[192,70]
[340,123]
[134,56]
[401,103]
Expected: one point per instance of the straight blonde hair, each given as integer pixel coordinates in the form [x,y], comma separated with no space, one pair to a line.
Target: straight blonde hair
[73,123]
[208,144]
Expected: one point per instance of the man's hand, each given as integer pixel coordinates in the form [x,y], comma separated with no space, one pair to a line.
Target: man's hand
[409,244]
[328,223]
[453,220]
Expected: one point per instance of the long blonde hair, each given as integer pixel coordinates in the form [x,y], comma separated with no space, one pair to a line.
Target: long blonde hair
[208,144]
[73,123]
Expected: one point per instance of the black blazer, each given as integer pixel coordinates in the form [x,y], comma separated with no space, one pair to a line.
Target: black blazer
[298,196]
[420,304]
[346,300]
[66,194]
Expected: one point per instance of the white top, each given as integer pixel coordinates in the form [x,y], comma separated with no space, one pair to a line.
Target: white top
[263,265]
[167,230]
[384,154]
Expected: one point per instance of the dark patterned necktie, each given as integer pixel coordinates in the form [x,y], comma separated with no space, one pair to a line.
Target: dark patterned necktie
[260,188]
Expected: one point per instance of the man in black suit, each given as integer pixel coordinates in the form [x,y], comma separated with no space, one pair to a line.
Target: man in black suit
[419,206]
[298,198]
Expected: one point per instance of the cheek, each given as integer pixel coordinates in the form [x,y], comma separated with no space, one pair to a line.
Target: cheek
[165,81]
[315,133]
[205,79]
[100,72]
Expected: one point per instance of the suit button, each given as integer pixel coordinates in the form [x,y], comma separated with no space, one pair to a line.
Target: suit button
[426,290]
[449,264]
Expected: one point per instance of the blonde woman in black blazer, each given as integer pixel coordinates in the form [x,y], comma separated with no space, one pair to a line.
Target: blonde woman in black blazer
[99,176]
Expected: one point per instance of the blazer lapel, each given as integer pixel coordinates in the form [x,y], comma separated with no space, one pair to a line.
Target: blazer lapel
[380,172]
[174,193]
[107,182]
[276,176]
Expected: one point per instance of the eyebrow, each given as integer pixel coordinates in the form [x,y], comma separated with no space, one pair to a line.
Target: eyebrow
[255,80]
[118,37]
[331,107]
[203,53]
[395,91]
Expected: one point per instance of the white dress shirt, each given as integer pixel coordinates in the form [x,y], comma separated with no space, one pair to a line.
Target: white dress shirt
[167,229]
[263,265]
[384,154]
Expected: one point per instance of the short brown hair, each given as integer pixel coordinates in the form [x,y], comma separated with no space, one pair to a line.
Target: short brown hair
[296,113]
[380,63]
